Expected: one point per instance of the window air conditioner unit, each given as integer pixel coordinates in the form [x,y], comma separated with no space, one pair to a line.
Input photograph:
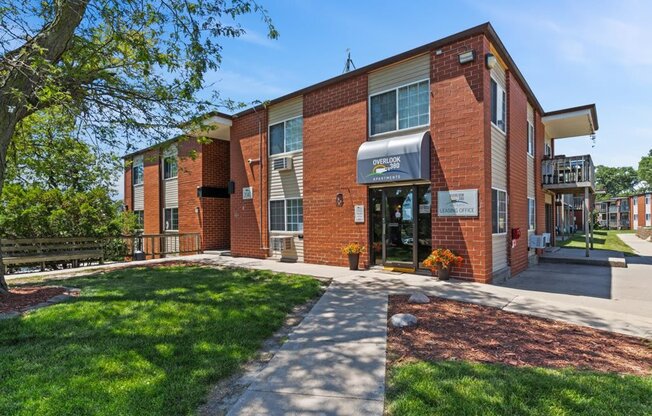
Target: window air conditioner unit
[282,164]
[281,243]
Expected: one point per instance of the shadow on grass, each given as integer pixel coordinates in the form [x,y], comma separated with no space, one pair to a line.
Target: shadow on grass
[463,388]
[141,341]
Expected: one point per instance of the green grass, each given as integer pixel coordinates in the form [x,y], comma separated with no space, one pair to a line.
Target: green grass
[602,240]
[462,388]
[141,341]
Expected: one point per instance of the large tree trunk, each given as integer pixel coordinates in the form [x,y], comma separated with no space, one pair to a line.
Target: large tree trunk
[21,78]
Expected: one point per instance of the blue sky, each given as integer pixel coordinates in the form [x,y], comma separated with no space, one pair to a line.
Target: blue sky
[570,52]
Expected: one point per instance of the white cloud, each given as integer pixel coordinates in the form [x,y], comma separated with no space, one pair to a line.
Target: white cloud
[253,37]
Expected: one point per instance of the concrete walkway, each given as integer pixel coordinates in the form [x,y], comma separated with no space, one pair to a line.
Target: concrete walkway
[643,248]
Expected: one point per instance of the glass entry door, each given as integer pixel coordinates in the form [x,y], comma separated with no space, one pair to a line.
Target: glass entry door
[400,225]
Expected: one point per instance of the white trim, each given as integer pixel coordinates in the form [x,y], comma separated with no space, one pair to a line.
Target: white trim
[396,100]
[175,229]
[506,212]
[285,215]
[269,138]
[534,204]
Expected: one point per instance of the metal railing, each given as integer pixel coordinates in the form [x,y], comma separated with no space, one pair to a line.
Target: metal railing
[568,170]
[147,246]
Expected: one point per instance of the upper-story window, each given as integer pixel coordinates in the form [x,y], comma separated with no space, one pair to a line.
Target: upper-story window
[530,139]
[137,172]
[635,201]
[401,108]
[170,169]
[498,106]
[548,150]
[286,136]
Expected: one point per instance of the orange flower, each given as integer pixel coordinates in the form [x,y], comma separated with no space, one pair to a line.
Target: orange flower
[443,257]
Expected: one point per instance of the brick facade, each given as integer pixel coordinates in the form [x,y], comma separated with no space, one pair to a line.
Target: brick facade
[459,117]
[334,126]
[517,173]
[248,223]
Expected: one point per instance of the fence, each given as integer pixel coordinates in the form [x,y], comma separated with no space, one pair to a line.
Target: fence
[57,253]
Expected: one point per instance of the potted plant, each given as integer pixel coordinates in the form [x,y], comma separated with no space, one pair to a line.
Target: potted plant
[353,250]
[442,261]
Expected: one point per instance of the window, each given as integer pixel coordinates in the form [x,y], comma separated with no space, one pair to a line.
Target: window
[635,201]
[140,219]
[169,167]
[498,211]
[548,150]
[647,200]
[530,139]
[286,136]
[277,215]
[531,214]
[286,215]
[294,214]
[647,217]
[498,106]
[399,109]
[171,216]
[137,172]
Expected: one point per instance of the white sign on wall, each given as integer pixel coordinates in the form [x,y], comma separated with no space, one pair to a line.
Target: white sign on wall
[457,203]
[247,192]
[358,214]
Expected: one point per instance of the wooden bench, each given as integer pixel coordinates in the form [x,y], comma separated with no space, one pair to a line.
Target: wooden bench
[39,251]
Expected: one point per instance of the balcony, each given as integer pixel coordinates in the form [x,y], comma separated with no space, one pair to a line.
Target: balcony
[570,175]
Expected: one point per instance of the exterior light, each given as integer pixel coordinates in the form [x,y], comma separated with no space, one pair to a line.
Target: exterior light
[466,57]
[490,61]
[339,200]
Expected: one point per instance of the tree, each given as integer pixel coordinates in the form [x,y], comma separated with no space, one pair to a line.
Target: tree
[616,181]
[645,170]
[122,68]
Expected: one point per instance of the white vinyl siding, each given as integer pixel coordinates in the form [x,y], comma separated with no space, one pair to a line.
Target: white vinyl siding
[531,187]
[286,110]
[499,252]
[139,198]
[498,141]
[170,185]
[397,75]
[286,184]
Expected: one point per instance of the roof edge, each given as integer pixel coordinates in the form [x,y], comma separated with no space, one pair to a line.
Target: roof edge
[591,107]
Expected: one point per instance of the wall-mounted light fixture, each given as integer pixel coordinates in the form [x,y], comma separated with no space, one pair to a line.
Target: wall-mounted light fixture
[196,210]
[490,61]
[339,200]
[466,57]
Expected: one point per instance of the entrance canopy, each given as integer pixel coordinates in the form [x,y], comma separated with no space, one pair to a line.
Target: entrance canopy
[397,159]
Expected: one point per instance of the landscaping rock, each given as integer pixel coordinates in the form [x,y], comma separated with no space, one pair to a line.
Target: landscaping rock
[401,320]
[419,298]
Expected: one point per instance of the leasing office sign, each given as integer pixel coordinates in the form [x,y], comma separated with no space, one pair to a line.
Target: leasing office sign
[458,203]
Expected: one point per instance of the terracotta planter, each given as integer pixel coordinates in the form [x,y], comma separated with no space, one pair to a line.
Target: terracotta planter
[353,261]
[443,273]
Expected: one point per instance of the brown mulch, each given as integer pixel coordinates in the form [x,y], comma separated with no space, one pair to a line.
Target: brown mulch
[451,330]
[23,298]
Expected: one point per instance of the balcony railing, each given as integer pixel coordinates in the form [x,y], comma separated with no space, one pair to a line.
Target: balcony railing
[568,172]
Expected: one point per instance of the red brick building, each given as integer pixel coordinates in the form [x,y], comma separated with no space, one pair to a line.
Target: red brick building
[444,145]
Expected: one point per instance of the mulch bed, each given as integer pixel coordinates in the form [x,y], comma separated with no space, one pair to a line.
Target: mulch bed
[25,297]
[451,330]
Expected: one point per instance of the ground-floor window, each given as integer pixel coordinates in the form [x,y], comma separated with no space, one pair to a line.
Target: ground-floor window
[171,218]
[140,219]
[498,211]
[531,214]
[286,215]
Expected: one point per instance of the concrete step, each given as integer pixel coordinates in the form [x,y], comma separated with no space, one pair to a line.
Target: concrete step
[590,261]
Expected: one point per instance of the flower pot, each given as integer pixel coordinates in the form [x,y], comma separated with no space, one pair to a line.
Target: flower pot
[353,261]
[443,273]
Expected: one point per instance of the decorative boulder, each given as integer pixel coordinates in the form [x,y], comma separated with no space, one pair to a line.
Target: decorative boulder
[401,320]
[419,298]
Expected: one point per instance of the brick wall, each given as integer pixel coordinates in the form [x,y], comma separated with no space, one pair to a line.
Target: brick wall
[248,221]
[152,189]
[334,127]
[461,153]
[517,172]
[189,178]
[641,211]
[215,211]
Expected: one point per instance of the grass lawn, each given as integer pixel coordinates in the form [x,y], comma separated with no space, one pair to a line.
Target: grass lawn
[463,388]
[141,341]
[602,240]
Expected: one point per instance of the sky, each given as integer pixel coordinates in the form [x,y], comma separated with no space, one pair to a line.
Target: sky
[570,52]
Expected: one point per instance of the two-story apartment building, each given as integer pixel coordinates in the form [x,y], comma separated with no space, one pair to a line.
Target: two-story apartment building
[444,145]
